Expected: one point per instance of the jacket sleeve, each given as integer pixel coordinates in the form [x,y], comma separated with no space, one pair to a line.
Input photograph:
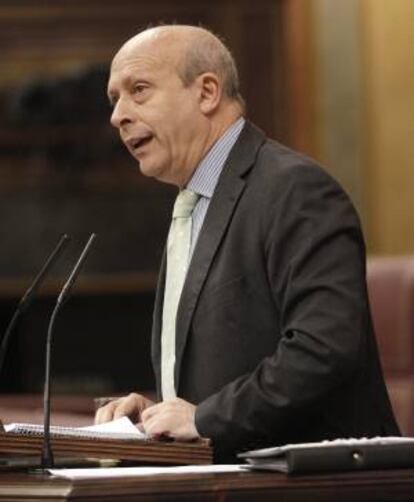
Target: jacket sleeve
[315,262]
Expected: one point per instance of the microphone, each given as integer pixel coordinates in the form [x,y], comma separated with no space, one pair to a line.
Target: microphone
[47,455]
[28,296]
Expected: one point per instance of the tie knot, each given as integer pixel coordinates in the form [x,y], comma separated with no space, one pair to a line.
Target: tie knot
[185,203]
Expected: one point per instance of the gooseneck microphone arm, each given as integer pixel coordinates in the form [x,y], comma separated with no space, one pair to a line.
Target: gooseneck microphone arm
[27,298]
[47,454]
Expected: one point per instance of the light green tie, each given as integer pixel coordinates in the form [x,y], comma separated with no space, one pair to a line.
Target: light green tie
[178,253]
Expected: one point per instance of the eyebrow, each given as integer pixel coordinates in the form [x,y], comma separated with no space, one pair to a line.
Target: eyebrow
[111,95]
[125,81]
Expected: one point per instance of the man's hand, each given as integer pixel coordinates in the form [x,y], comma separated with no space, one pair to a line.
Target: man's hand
[174,418]
[130,406]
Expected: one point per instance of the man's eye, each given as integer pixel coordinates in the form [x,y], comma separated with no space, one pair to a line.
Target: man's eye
[139,88]
[113,102]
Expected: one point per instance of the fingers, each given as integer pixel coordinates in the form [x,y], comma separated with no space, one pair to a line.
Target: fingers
[173,418]
[155,421]
[158,428]
[105,413]
[153,410]
[130,406]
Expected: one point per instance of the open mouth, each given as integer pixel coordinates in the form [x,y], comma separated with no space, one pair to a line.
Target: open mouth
[139,143]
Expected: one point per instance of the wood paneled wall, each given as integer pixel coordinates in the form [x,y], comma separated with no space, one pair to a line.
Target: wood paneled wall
[103,339]
[389,123]
[54,39]
[358,117]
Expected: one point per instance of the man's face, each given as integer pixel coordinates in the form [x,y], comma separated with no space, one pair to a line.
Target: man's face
[158,119]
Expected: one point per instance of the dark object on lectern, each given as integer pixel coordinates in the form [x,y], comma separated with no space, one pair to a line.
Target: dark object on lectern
[29,295]
[344,457]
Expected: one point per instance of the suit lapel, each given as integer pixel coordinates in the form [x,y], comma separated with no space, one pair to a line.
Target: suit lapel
[227,193]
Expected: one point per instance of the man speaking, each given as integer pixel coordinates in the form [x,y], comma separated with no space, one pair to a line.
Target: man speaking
[262,332]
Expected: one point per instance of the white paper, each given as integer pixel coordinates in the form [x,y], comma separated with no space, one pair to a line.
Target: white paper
[110,472]
[122,429]
[120,425]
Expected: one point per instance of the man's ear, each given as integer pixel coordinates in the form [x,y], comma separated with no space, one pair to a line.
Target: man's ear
[210,92]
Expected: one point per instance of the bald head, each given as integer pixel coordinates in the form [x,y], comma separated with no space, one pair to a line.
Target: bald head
[174,91]
[193,51]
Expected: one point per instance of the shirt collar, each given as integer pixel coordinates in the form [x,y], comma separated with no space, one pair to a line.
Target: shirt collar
[206,175]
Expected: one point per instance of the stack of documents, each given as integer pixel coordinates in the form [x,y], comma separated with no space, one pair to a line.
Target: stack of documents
[122,428]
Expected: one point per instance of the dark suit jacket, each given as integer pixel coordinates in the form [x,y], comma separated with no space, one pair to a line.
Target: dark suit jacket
[274,341]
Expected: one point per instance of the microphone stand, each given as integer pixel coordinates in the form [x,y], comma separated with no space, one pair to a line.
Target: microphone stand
[27,298]
[47,460]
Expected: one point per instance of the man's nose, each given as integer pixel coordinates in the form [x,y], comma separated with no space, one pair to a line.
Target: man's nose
[120,114]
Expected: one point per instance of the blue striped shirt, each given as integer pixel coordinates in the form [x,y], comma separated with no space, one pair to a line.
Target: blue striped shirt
[206,175]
